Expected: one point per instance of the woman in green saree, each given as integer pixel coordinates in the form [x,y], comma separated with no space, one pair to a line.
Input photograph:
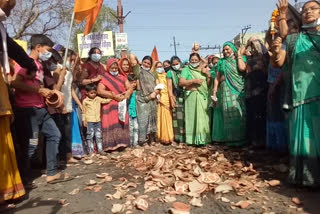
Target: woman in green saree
[196,80]
[302,57]
[229,122]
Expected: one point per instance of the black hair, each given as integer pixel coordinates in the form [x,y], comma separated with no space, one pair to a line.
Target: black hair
[174,58]
[194,54]
[56,56]
[132,77]
[92,51]
[39,39]
[167,61]
[148,58]
[91,87]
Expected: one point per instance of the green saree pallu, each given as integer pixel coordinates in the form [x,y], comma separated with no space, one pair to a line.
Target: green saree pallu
[229,124]
[196,110]
[304,117]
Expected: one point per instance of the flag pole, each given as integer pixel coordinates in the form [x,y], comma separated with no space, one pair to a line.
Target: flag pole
[68,42]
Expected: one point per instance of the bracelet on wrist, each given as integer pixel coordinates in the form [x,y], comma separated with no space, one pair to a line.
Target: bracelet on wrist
[281,19]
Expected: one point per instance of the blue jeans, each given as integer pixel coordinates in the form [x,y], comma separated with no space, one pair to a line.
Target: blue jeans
[29,122]
[94,131]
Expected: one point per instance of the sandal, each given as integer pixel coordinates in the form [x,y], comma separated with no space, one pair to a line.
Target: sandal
[63,178]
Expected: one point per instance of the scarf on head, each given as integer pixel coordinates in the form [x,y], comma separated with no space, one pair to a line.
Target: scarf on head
[229,68]
[120,66]
[222,64]
[110,62]
[3,33]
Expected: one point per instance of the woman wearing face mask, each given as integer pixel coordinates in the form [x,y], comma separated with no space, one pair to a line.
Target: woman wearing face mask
[229,122]
[146,99]
[176,95]
[196,81]
[114,85]
[166,65]
[302,54]
[164,122]
[91,70]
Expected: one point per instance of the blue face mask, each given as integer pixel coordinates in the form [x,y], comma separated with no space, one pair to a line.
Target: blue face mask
[96,57]
[114,73]
[46,56]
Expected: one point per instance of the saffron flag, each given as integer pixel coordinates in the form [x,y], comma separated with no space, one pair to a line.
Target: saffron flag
[89,10]
[154,54]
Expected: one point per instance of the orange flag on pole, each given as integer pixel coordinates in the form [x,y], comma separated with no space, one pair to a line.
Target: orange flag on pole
[154,54]
[89,10]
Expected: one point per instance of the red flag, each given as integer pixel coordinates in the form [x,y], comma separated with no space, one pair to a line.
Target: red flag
[154,54]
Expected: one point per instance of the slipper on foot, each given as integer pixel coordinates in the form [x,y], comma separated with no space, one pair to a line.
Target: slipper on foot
[63,178]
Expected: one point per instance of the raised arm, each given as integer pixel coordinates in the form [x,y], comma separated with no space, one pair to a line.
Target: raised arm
[241,64]
[282,20]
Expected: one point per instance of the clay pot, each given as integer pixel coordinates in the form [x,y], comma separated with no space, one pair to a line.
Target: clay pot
[55,100]
[180,208]
[159,163]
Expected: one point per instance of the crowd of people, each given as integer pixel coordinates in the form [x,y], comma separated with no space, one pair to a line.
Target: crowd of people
[264,94]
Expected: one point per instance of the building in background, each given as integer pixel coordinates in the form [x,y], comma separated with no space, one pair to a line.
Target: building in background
[239,40]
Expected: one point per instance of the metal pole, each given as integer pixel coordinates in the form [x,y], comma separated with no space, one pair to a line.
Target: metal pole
[174,44]
[68,43]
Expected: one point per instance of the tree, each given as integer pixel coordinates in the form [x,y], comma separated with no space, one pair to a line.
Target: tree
[38,16]
[52,18]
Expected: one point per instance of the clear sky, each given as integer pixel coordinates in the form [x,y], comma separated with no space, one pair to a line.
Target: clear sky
[209,22]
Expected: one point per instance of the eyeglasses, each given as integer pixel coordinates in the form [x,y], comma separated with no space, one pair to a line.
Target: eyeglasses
[312,9]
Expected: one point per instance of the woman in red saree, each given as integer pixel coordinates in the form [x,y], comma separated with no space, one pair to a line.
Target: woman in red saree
[114,85]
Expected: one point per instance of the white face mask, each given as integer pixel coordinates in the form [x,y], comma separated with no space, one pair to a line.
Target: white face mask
[195,65]
[144,68]
[312,25]
[176,67]
[160,70]
[114,73]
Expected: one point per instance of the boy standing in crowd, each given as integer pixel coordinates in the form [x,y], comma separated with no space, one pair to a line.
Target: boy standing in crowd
[133,122]
[91,117]
[31,115]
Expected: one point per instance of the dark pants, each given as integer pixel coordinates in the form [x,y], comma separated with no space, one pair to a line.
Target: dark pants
[256,119]
[94,131]
[29,123]
[63,122]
